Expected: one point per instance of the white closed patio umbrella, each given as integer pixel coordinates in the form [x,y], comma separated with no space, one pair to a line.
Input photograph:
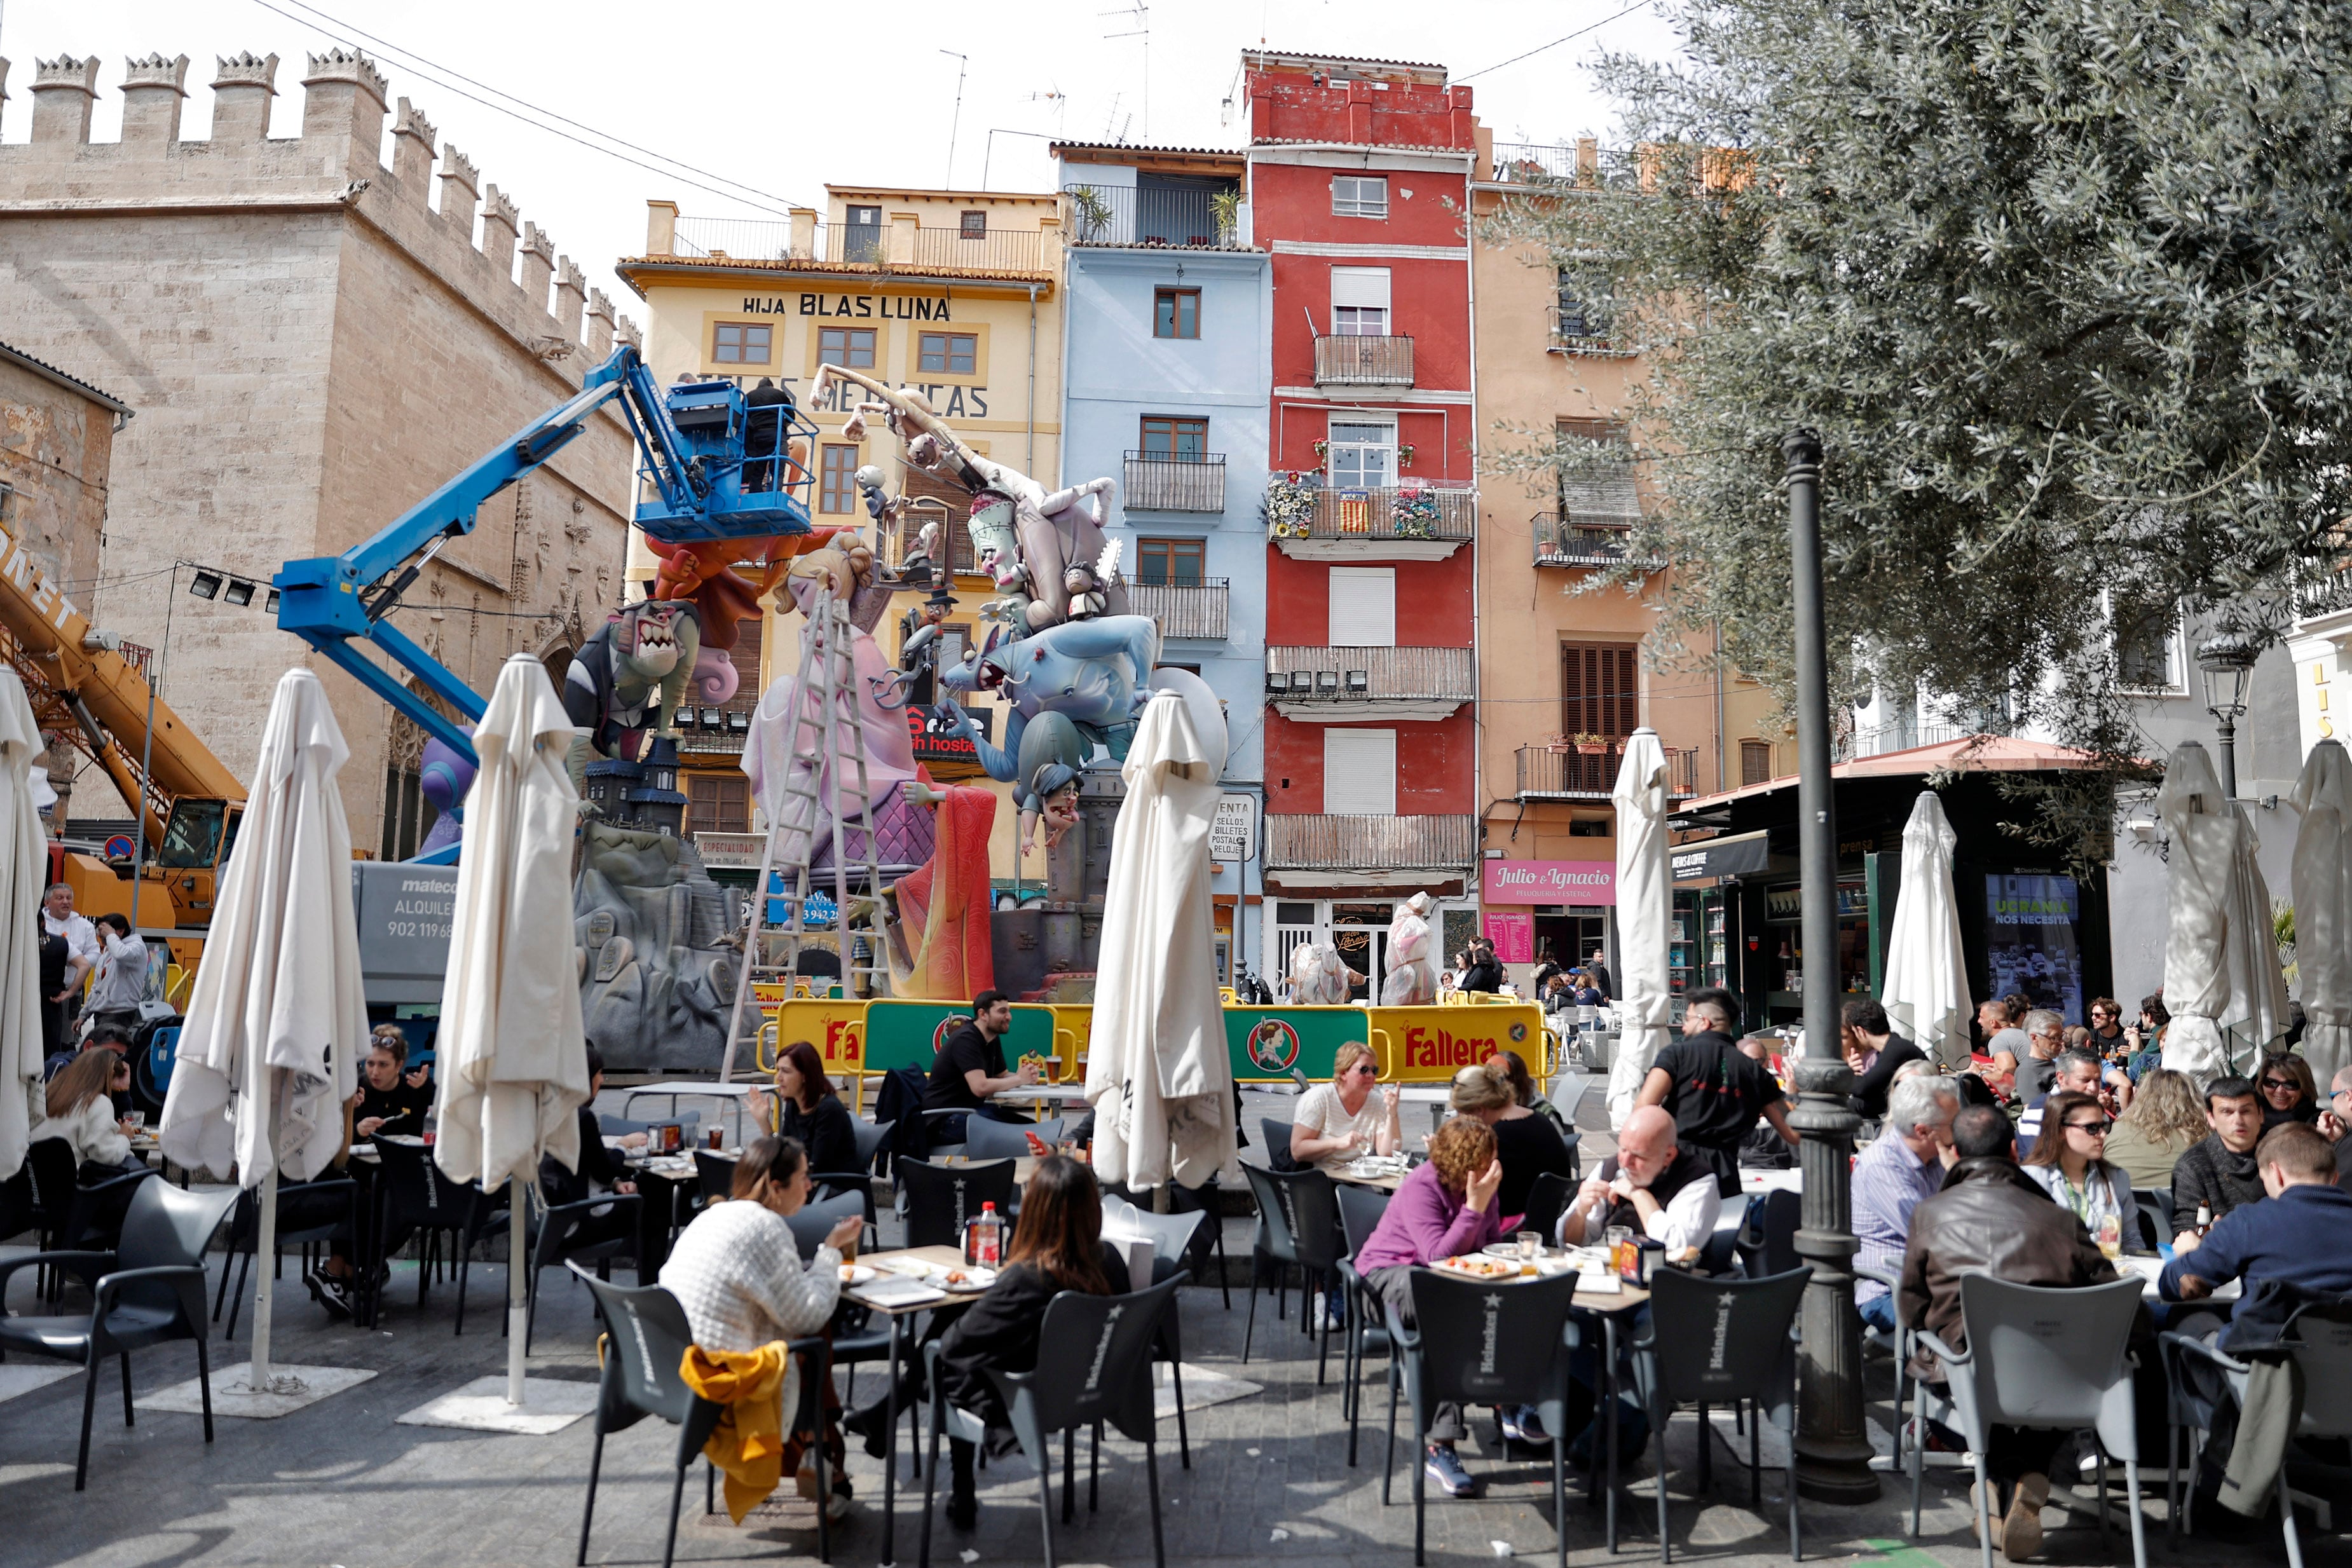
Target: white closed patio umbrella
[512,1052]
[1158,1073]
[1926,991]
[24,871]
[2257,1016]
[2208,895]
[1645,907]
[269,1051]
[2322,884]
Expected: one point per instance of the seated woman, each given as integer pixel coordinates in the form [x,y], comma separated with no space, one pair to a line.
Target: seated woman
[809,1109]
[737,1272]
[2290,1093]
[390,1100]
[80,1110]
[1057,1246]
[1446,1208]
[1528,1145]
[1338,1120]
[2073,1168]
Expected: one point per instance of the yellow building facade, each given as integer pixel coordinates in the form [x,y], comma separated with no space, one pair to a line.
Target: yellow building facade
[955,294]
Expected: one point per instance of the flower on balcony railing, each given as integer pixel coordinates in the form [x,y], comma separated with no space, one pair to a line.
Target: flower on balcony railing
[1288,508]
[1415,514]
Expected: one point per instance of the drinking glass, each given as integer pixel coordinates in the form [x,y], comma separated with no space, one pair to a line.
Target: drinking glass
[2111,1235]
[138,1119]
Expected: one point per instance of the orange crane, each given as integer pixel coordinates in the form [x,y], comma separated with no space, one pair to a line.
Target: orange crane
[187,801]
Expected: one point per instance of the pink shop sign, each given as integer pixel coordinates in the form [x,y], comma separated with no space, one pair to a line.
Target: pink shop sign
[1550,881]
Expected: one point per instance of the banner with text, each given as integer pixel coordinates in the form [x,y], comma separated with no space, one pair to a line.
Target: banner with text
[1549,881]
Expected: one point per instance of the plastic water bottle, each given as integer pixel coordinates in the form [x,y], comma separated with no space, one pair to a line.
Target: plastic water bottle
[983,1239]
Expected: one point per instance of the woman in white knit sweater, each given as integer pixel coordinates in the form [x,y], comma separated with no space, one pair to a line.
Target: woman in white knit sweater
[738,1271]
[81,1111]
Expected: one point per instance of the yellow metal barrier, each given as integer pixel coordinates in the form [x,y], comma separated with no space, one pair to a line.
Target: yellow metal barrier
[1074,1026]
[1432,1043]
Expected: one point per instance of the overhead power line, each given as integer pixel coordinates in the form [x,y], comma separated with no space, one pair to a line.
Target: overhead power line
[1555,42]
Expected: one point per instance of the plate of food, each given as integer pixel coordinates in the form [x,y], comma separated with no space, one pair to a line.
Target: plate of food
[966,1280]
[1478,1268]
[857,1273]
[1511,1250]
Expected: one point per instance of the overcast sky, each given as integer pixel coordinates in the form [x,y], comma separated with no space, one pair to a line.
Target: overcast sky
[788,98]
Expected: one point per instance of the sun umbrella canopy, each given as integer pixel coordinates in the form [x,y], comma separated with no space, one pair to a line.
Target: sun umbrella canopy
[270,1049]
[2323,906]
[513,1056]
[23,872]
[1646,902]
[2221,978]
[1926,991]
[1157,1069]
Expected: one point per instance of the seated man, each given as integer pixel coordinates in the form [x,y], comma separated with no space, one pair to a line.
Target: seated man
[2303,1239]
[1903,1167]
[1873,1052]
[969,1069]
[2220,1175]
[1651,1186]
[1991,1218]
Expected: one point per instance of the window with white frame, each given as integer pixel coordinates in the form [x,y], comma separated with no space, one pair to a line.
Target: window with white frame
[1360,301]
[2148,649]
[1359,773]
[1359,196]
[1362,610]
[1361,452]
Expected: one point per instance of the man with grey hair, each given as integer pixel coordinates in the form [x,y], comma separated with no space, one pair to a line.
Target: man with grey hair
[2075,1071]
[1904,1165]
[2045,1037]
[2335,1123]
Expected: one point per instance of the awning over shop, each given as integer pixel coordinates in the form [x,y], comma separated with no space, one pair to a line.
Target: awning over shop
[1970,754]
[1735,854]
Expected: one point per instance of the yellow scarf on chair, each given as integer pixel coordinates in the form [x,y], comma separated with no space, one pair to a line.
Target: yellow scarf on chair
[748,1445]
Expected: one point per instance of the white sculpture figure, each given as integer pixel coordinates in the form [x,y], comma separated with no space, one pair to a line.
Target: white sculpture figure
[1412,979]
[1319,976]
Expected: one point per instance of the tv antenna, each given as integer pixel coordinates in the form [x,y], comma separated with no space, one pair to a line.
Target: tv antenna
[962,62]
[1138,12]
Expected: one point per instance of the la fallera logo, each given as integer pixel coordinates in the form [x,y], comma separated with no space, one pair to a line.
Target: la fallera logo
[1426,1047]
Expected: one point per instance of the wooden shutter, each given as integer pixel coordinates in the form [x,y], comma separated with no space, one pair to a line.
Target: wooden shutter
[1360,772]
[1600,689]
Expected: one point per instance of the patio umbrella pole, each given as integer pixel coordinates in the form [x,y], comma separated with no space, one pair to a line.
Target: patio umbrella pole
[518,1301]
[265,1255]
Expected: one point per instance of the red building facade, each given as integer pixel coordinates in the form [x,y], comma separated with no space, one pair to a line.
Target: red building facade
[1358,182]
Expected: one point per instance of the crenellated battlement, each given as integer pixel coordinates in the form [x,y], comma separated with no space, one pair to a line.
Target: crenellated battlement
[338,162]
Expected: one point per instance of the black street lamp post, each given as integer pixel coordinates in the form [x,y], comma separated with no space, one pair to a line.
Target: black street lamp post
[1833,1445]
[2227,662]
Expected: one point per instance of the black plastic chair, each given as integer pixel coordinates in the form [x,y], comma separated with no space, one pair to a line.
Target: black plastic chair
[1767,1236]
[1361,1210]
[715,1175]
[937,1198]
[648,1335]
[870,1138]
[985,1139]
[1298,1221]
[417,1198]
[574,1232]
[1094,1366]
[149,1291]
[1546,1198]
[1476,1342]
[1725,1341]
[309,1213]
[2155,1204]
[1180,1243]
[816,1221]
[2318,1338]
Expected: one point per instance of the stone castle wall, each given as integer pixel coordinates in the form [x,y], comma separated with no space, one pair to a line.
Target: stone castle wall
[315,338]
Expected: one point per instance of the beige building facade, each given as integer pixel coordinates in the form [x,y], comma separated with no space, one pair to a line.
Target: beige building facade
[316,339]
[956,294]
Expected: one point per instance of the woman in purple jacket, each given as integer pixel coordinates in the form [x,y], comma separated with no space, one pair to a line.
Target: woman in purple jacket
[1446,1208]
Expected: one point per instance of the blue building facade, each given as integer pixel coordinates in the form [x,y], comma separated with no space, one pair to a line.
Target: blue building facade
[1166,384]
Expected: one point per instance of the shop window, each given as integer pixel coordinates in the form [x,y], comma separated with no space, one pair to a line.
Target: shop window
[741,343]
[1600,689]
[949,353]
[1175,312]
[1755,762]
[839,491]
[852,348]
[1168,562]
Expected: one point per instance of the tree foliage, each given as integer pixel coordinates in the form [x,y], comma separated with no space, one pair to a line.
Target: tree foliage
[2063,285]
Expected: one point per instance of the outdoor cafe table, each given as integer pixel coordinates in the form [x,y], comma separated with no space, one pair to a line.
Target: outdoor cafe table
[940,1257]
[1039,1094]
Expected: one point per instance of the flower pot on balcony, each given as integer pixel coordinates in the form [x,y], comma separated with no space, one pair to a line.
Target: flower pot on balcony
[1592,748]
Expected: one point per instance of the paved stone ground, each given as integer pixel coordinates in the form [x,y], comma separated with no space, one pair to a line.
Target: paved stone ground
[341,1483]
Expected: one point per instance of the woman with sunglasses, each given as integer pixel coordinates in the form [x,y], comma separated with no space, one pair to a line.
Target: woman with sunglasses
[1338,1120]
[2289,1092]
[2070,1163]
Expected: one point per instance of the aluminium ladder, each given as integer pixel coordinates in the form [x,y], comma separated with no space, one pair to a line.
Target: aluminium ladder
[827,678]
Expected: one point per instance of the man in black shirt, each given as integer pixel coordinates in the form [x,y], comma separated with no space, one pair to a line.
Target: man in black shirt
[1874,1051]
[968,1071]
[1601,980]
[1713,1091]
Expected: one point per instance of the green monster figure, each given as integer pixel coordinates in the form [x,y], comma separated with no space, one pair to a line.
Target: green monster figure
[630,678]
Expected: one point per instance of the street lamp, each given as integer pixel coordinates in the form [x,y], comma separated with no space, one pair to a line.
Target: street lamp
[2227,662]
[1833,1445]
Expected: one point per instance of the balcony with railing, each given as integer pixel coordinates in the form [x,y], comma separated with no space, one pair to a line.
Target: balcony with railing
[1572,327]
[901,247]
[1356,846]
[1156,482]
[1340,686]
[1200,608]
[1313,521]
[1154,217]
[1363,361]
[1564,770]
[1560,168]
